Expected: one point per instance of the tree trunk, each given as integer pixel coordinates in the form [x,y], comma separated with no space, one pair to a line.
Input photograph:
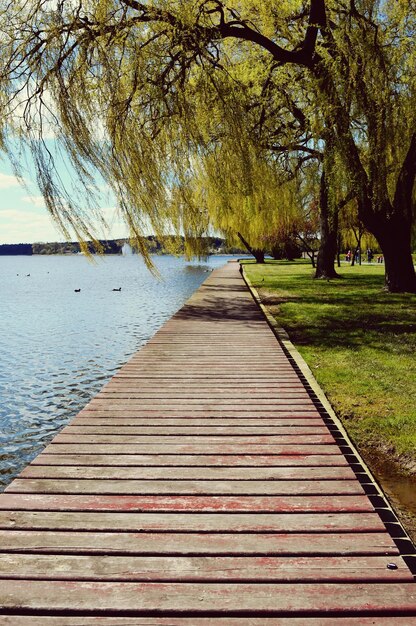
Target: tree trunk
[257,253]
[339,250]
[329,235]
[395,243]
[390,223]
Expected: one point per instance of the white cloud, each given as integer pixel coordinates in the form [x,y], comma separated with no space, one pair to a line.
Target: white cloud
[38,201]
[20,226]
[7,181]
[26,226]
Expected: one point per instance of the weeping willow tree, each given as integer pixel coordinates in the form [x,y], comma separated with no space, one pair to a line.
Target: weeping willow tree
[254,206]
[367,73]
[118,85]
[232,184]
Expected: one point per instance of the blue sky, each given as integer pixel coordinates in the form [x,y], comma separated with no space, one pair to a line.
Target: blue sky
[25,219]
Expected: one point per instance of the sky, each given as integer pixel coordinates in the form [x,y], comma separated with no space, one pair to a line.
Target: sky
[25,219]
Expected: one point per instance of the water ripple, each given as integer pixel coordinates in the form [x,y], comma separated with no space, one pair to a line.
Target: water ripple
[58,347]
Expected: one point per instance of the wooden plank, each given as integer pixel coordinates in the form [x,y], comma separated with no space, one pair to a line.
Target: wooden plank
[203,387]
[225,361]
[217,353]
[243,376]
[204,568]
[237,504]
[208,440]
[209,408]
[218,384]
[88,620]
[244,598]
[167,343]
[206,431]
[258,423]
[214,354]
[278,363]
[186,487]
[161,341]
[217,522]
[176,543]
[194,377]
[189,473]
[271,385]
[200,381]
[217,368]
[184,460]
[199,410]
[202,404]
[165,448]
[195,395]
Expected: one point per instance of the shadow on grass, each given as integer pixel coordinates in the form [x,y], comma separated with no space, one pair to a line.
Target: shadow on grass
[348,313]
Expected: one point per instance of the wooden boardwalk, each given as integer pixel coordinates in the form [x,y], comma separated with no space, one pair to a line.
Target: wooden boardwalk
[200,486]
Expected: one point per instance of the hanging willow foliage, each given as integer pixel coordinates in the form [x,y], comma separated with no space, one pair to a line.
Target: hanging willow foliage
[143,97]
[147,94]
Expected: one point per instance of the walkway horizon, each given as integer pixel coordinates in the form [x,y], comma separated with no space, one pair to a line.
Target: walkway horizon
[202,485]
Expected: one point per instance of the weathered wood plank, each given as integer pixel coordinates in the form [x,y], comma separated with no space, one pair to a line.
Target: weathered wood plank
[186,460]
[208,440]
[257,504]
[185,487]
[195,412]
[204,568]
[189,473]
[217,364]
[200,389]
[215,354]
[233,393]
[192,543]
[257,423]
[190,431]
[202,404]
[206,376]
[87,620]
[218,368]
[217,522]
[217,385]
[234,376]
[280,599]
[165,448]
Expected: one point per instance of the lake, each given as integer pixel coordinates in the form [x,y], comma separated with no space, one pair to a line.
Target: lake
[58,347]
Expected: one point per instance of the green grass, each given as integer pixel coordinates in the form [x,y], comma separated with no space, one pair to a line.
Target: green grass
[360,343]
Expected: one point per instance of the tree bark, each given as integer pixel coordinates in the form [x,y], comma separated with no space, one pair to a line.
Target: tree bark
[258,255]
[390,223]
[256,252]
[329,235]
[339,249]
[395,243]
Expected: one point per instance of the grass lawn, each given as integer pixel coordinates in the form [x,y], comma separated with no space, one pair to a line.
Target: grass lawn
[360,343]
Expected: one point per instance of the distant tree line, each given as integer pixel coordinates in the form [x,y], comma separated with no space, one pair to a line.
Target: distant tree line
[165,245]
[10,249]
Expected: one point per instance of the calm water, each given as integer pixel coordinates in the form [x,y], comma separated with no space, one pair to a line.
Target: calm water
[58,347]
